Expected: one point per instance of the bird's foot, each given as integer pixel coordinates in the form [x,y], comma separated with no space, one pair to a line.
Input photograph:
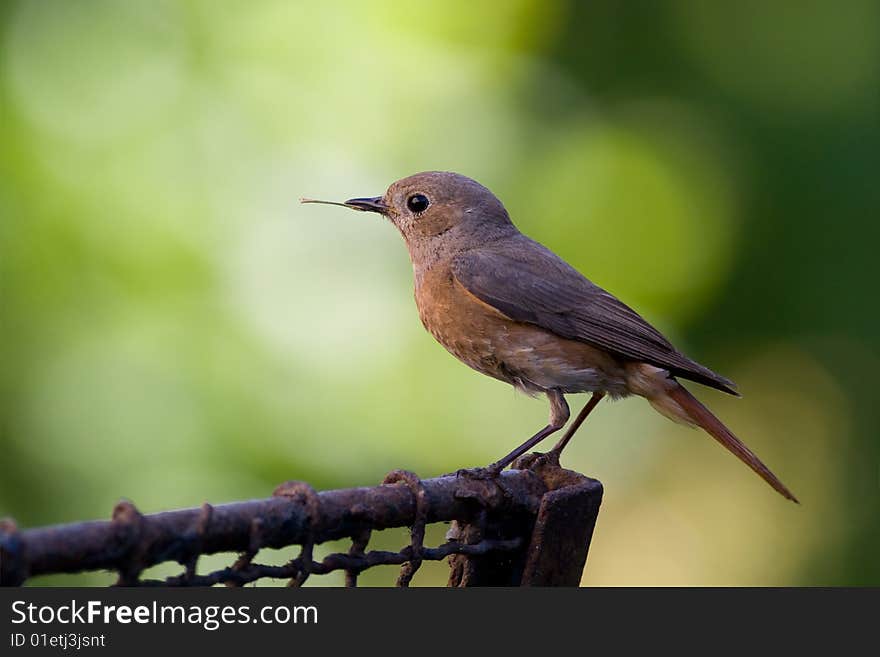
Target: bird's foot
[481,473]
[478,482]
[536,459]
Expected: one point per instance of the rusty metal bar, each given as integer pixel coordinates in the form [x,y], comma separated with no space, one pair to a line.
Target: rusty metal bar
[275,522]
[496,516]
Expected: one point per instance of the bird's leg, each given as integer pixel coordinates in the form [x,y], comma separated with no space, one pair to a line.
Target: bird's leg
[578,421]
[559,415]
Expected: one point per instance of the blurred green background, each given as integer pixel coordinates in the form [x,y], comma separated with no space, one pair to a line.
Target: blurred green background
[175,328]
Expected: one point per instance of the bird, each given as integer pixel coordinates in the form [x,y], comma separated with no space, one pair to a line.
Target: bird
[510,308]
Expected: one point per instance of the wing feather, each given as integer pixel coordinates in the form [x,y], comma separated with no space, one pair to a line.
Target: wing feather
[530,284]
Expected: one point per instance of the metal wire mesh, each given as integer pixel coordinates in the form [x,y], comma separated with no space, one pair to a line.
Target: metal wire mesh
[528,526]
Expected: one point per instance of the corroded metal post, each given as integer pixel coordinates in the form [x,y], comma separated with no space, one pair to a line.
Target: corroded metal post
[561,530]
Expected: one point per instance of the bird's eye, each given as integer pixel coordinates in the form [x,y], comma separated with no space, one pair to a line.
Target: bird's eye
[417,203]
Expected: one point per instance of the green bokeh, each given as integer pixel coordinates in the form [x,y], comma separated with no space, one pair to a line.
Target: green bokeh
[175,328]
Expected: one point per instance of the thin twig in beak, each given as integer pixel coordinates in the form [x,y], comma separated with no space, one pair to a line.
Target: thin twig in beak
[313,200]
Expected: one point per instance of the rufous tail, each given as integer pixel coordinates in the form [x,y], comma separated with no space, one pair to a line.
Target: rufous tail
[704,418]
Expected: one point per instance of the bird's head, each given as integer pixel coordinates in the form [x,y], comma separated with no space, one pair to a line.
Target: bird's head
[438,211]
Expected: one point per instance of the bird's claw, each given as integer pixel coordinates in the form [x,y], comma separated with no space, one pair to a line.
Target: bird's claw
[482,473]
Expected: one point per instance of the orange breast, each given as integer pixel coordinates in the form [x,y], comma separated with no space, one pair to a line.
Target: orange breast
[523,355]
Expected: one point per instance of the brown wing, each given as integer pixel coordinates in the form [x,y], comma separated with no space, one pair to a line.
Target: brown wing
[531,284]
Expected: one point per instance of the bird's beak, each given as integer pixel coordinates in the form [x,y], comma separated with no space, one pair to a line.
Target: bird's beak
[374,204]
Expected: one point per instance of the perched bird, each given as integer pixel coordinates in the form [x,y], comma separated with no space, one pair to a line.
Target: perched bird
[512,309]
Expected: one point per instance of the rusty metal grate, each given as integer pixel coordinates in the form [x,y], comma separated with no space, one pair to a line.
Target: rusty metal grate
[530,526]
